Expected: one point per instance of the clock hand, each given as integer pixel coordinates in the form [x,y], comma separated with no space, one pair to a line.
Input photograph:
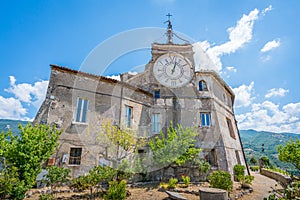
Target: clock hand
[173,70]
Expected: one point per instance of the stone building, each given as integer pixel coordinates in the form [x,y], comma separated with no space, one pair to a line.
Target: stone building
[168,90]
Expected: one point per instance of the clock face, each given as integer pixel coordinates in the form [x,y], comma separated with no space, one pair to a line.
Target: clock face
[173,70]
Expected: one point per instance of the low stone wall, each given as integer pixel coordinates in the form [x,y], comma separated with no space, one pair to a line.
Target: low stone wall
[283,179]
[172,171]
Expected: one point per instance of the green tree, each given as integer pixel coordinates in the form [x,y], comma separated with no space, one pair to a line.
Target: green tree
[290,152]
[121,145]
[56,177]
[96,175]
[24,155]
[178,147]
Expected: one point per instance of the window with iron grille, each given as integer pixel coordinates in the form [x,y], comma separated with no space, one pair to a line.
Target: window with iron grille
[75,156]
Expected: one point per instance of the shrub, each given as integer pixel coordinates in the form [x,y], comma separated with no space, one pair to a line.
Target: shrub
[247,179]
[266,161]
[253,161]
[204,167]
[254,168]
[172,182]
[116,190]
[80,183]
[46,197]
[56,177]
[186,180]
[221,180]
[164,185]
[239,171]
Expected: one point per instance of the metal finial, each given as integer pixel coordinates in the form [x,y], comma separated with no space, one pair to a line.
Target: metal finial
[170,29]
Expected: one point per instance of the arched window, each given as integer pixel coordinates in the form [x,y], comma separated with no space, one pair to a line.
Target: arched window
[202,86]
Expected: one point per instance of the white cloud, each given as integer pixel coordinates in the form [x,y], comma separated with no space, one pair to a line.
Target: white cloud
[243,95]
[231,69]
[268,116]
[228,70]
[25,95]
[292,108]
[276,92]
[238,36]
[115,77]
[266,58]
[11,108]
[268,9]
[270,45]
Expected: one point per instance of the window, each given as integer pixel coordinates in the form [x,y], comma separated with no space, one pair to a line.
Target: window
[238,157]
[75,156]
[202,86]
[155,123]
[230,128]
[128,116]
[205,119]
[211,157]
[82,106]
[157,94]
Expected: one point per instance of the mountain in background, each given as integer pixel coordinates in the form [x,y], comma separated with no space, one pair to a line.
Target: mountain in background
[252,142]
[255,141]
[6,124]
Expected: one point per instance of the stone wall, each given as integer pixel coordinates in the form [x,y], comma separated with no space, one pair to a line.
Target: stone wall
[172,171]
[283,179]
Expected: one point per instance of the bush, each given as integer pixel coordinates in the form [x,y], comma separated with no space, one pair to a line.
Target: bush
[204,167]
[265,161]
[172,183]
[116,190]
[239,171]
[164,185]
[56,177]
[253,161]
[80,183]
[186,180]
[254,168]
[46,197]
[221,180]
[247,179]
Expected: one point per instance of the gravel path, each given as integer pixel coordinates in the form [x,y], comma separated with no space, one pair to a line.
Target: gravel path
[262,185]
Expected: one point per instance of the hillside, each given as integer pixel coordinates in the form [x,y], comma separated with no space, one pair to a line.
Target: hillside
[253,140]
[5,124]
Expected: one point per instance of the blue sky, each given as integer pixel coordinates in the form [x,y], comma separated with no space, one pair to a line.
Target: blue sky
[253,44]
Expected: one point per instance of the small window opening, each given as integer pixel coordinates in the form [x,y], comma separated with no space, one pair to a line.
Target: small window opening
[157,94]
[202,86]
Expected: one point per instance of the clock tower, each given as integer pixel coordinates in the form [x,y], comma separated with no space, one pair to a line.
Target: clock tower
[168,90]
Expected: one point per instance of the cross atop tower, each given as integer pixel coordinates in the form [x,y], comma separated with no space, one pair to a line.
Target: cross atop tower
[170,29]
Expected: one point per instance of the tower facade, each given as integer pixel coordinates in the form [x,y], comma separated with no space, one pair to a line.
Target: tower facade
[168,91]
